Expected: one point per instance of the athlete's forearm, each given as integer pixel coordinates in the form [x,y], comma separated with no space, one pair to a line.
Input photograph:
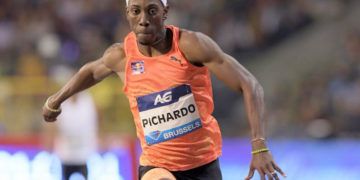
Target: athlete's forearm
[82,80]
[255,108]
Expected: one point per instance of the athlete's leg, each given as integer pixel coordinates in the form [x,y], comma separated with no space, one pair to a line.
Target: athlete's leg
[158,174]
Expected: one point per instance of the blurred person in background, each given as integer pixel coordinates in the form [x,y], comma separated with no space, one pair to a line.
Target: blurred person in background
[344,87]
[74,138]
[330,108]
[165,71]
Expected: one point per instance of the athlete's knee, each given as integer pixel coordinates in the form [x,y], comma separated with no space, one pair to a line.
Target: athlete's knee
[158,174]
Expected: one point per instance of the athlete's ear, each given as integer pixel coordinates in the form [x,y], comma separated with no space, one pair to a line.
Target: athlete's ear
[166,10]
[127,11]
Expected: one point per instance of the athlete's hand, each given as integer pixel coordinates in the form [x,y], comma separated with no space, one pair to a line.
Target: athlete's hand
[263,163]
[50,110]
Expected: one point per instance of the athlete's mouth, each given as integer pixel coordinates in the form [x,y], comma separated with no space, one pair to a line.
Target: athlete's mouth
[145,33]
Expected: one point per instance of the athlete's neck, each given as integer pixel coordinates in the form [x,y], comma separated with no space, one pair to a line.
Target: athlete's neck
[161,46]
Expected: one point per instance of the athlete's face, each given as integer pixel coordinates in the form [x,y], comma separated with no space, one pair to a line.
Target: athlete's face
[146,19]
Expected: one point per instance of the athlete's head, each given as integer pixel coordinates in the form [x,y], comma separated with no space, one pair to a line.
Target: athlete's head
[146,19]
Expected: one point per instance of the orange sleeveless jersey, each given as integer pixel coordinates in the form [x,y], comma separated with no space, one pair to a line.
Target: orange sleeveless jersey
[171,101]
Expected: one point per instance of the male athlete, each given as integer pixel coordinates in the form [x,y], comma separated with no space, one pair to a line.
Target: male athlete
[165,71]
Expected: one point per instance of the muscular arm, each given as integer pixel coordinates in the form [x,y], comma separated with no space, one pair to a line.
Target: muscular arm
[200,49]
[88,75]
[232,73]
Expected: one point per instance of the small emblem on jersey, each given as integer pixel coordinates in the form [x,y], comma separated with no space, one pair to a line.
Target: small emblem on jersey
[137,67]
[174,58]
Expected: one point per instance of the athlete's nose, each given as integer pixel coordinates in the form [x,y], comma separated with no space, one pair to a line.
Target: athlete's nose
[144,20]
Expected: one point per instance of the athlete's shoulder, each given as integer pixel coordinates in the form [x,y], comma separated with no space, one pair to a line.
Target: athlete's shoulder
[187,37]
[197,46]
[114,55]
[115,49]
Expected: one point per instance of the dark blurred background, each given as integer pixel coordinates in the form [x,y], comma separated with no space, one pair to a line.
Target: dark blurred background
[306,54]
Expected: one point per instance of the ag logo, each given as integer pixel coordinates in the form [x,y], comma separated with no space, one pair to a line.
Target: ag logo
[164,99]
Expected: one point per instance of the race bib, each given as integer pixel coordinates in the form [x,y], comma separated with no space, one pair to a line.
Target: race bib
[168,114]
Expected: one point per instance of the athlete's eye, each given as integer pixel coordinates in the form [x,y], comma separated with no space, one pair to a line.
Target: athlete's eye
[135,11]
[153,11]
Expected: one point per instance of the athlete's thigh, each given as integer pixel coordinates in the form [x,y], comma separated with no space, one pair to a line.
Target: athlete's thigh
[158,174]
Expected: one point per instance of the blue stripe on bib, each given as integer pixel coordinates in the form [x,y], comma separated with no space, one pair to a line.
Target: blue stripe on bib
[158,136]
[162,98]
